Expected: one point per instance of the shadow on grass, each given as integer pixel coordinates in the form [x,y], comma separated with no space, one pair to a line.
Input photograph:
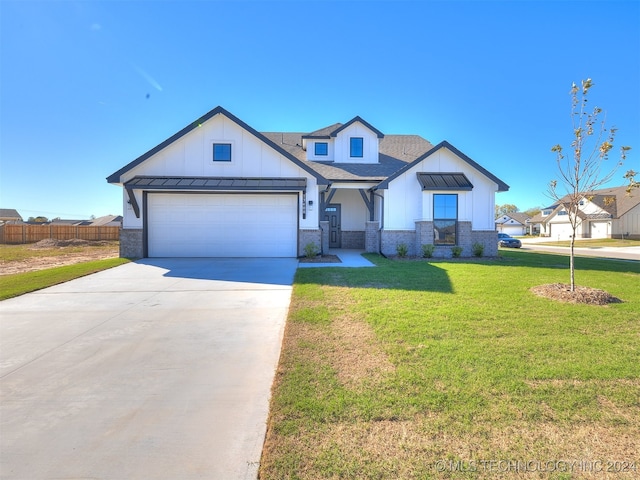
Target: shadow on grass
[390,274]
[431,275]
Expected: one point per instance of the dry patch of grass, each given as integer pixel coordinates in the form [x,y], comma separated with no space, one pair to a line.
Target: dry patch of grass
[51,253]
[413,449]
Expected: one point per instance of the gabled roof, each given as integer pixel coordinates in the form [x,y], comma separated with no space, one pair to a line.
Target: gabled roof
[116,176]
[615,202]
[519,217]
[10,213]
[360,120]
[323,133]
[395,151]
[502,187]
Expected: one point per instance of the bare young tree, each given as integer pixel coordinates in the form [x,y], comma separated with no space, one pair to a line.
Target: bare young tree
[586,168]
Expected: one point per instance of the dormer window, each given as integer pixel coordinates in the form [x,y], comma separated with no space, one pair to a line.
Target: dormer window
[356,147]
[321,149]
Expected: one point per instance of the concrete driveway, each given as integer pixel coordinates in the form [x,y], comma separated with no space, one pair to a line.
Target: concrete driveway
[159,369]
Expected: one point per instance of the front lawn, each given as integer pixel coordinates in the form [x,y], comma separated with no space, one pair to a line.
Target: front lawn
[21,283]
[454,369]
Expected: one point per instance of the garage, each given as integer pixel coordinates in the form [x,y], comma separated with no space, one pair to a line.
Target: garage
[599,229]
[222,224]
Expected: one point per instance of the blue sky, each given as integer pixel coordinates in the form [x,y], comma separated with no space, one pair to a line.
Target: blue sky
[88,86]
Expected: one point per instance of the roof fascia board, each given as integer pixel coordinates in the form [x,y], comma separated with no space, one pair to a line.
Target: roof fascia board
[502,187]
[378,133]
[115,177]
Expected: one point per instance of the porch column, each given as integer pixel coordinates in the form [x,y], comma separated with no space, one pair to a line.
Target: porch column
[371,237]
[324,239]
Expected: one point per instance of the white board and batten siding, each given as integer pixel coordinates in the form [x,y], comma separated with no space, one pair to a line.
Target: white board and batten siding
[403,208]
[191,156]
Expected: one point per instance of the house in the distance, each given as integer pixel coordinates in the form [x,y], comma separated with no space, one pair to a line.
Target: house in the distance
[9,215]
[604,213]
[219,188]
[514,223]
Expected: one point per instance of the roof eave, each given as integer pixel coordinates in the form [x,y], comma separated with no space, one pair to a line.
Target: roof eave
[116,176]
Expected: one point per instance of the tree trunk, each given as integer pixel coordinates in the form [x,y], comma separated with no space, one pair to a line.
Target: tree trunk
[571,263]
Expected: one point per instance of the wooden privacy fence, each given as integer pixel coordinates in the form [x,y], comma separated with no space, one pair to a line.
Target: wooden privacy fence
[23,233]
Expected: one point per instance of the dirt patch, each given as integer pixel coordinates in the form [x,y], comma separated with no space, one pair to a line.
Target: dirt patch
[51,253]
[586,295]
[73,242]
[321,259]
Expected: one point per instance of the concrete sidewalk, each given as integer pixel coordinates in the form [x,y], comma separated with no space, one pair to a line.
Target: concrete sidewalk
[348,258]
[159,369]
[619,253]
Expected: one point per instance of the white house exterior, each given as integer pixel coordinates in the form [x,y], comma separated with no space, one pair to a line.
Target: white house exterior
[219,188]
[514,224]
[605,213]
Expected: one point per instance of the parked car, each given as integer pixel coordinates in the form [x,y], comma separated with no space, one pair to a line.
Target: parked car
[505,240]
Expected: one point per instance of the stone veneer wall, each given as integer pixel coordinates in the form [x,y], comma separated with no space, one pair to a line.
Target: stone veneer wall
[372,237]
[352,239]
[131,244]
[308,236]
[423,235]
[392,238]
[324,227]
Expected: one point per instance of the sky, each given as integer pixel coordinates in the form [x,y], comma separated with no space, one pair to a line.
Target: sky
[88,86]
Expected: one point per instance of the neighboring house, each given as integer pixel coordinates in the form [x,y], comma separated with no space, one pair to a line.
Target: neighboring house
[219,188]
[514,223]
[605,213]
[63,221]
[105,221]
[9,215]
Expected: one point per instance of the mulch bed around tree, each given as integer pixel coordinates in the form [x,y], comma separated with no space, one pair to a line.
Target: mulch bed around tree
[562,292]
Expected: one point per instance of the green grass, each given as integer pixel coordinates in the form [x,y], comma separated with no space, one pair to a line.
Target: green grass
[461,362]
[20,283]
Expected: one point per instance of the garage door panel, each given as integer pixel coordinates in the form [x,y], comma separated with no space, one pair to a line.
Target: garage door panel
[218,225]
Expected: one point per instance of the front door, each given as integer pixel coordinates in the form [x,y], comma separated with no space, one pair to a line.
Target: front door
[332,215]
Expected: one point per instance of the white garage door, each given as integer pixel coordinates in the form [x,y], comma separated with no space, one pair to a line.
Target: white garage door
[599,229]
[561,231]
[222,225]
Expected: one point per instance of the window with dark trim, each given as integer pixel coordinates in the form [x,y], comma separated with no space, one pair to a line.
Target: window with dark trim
[321,149]
[356,147]
[445,219]
[221,152]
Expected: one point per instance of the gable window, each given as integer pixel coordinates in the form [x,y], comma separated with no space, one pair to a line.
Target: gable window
[221,152]
[356,147]
[321,149]
[445,219]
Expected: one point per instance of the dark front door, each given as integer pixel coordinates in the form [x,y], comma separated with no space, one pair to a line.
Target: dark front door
[332,215]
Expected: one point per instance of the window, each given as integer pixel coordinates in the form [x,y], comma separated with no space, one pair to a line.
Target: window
[321,148]
[445,219]
[356,147]
[221,152]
